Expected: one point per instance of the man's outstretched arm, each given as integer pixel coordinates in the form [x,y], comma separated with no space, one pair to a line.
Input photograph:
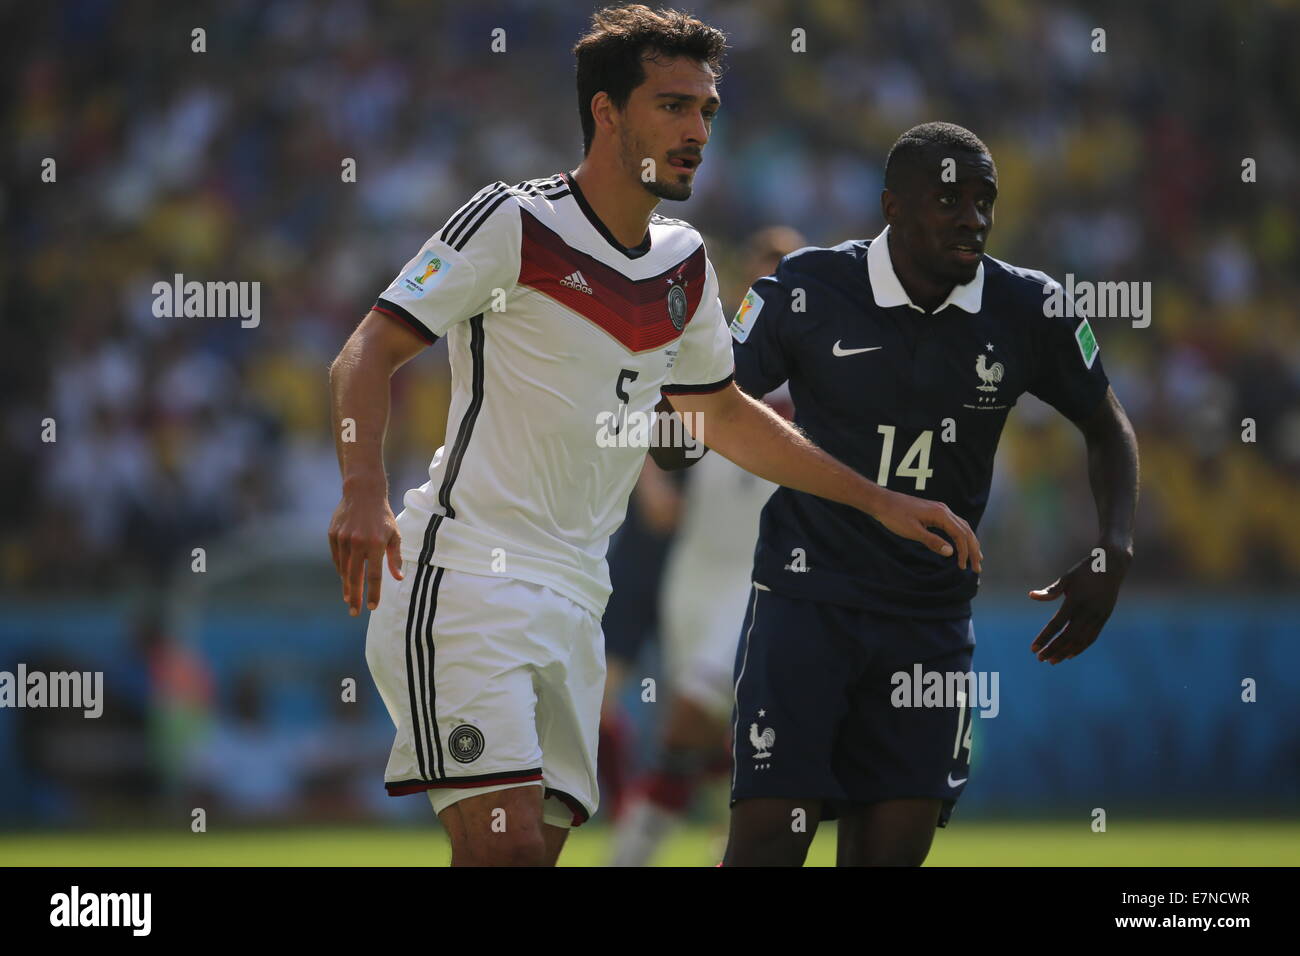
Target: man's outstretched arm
[363,528]
[1090,595]
[759,440]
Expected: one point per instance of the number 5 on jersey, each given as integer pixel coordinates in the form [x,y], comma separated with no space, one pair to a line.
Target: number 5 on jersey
[625,375]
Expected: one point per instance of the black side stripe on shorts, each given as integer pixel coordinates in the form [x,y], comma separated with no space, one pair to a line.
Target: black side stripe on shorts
[419,727]
[420,649]
[431,701]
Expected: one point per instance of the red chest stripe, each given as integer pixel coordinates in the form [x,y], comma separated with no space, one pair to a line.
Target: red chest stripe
[633,311]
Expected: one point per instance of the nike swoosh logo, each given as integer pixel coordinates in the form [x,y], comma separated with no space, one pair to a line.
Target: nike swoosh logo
[956,783]
[837,351]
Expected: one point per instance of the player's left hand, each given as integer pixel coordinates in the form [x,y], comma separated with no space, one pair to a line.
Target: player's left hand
[1090,597]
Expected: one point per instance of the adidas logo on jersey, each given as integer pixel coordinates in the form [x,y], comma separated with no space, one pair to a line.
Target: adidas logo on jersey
[574,280]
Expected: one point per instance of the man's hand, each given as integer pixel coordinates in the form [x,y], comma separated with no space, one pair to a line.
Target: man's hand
[363,526]
[913,518]
[362,531]
[1090,597]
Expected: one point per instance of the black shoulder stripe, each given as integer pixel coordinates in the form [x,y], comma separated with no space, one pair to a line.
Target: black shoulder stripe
[467,211]
[467,229]
[462,226]
[548,182]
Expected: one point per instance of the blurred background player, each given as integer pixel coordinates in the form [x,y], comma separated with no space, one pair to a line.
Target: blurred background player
[701,605]
[631,623]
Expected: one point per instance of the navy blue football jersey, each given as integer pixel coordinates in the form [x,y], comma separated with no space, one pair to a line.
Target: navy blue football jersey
[914,401]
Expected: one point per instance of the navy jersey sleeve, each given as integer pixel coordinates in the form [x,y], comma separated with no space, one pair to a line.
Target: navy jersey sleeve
[1068,371]
[758,335]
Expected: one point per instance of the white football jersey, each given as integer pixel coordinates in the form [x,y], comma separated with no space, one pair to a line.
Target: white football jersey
[555,331]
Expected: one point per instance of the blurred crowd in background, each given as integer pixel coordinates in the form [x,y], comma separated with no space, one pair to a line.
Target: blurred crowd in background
[226,165]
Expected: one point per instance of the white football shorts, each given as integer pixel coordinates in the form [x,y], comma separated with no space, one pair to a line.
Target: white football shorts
[492,683]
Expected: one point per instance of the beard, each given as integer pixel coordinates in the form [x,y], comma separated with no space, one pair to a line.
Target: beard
[634,154]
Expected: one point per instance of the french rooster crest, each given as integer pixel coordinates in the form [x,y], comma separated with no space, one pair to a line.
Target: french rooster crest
[990,375]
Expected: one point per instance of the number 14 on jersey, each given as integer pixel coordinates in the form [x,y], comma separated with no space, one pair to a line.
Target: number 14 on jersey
[915,464]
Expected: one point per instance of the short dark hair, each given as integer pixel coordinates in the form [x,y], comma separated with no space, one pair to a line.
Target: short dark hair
[610,55]
[919,140]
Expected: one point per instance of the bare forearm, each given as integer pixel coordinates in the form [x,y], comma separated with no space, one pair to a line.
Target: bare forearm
[359,406]
[762,442]
[1113,475]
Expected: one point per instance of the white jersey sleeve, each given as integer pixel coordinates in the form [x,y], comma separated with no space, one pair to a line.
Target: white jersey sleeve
[704,362]
[464,269]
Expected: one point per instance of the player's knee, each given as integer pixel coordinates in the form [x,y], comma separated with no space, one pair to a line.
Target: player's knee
[778,849]
[771,832]
[519,846]
[524,848]
[891,856]
[498,829]
[894,833]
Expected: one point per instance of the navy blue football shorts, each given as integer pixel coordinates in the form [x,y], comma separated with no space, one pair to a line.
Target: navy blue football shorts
[824,713]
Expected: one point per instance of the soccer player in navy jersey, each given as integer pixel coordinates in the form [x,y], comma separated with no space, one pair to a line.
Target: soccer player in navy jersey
[904,355]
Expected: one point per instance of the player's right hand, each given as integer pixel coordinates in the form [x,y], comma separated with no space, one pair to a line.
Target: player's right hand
[913,518]
[362,531]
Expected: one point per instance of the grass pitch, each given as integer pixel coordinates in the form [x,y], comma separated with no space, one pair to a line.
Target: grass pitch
[1035,843]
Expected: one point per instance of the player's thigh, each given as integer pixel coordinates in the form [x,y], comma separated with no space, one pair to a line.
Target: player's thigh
[502,827]
[771,831]
[889,833]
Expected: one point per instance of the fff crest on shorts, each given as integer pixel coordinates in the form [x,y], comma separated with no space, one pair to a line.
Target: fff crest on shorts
[677,302]
[466,743]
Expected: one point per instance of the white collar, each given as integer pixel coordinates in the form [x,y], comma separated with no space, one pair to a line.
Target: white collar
[889,292]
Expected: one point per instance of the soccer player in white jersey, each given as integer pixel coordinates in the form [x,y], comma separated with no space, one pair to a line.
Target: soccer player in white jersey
[565,302]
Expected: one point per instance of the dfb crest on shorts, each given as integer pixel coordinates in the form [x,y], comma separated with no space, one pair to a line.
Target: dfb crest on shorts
[466,743]
[676,304]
